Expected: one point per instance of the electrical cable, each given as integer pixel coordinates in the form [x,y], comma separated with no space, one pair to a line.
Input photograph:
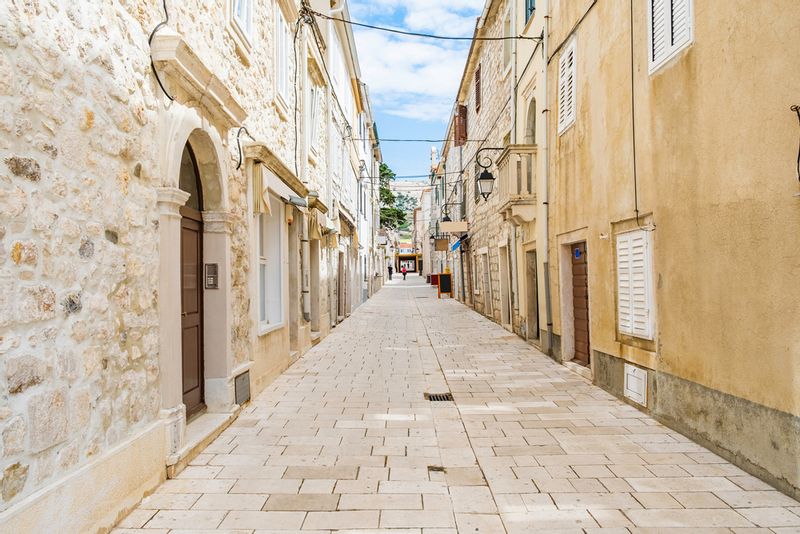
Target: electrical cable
[296,102]
[421,140]
[417,34]
[239,143]
[796,109]
[150,44]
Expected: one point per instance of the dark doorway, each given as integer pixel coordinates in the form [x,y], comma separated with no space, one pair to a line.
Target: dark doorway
[191,286]
[580,302]
[532,283]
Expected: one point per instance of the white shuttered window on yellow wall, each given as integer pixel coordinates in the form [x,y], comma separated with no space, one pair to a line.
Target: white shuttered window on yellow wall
[635,284]
[670,29]
[567,99]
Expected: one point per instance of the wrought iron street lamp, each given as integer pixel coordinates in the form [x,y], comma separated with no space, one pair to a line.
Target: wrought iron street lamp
[486,184]
[486,178]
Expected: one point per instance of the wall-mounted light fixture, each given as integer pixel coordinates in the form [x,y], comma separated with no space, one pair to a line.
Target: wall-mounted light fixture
[486,178]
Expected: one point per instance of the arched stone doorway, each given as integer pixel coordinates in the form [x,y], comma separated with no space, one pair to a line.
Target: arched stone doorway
[191,277]
[196,361]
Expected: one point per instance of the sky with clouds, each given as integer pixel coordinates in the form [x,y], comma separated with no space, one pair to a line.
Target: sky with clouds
[412,81]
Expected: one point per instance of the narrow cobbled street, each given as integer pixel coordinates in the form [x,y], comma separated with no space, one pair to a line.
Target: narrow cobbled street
[346,441]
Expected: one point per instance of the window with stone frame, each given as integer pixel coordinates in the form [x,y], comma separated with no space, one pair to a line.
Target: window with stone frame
[530,8]
[240,25]
[284,51]
[313,114]
[507,44]
[270,265]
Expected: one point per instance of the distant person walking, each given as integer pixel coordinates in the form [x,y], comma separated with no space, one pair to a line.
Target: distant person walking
[404,271]
[391,270]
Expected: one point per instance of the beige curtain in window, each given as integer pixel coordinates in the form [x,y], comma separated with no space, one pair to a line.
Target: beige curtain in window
[260,193]
[314,226]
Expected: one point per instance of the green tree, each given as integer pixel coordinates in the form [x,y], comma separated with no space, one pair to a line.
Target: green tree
[391,215]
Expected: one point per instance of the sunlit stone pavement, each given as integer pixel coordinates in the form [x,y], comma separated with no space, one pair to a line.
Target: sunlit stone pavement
[345,441]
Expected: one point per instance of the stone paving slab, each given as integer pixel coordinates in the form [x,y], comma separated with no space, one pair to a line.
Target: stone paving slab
[345,442]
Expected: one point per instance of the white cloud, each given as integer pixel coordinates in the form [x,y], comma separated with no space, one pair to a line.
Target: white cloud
[408,76]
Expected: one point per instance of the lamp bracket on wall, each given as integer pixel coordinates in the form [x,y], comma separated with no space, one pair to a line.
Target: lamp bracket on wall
[485,161]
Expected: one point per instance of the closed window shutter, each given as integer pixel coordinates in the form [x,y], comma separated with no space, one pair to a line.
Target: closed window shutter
[640,291]
[670,29]
[681,23]
[566,88]
[658,29]
[461,125]
[624,305]
[634,289]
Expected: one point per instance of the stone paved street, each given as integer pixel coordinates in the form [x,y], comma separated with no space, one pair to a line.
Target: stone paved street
[344,441]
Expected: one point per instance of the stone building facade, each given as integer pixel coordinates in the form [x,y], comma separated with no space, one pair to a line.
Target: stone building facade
[650,246]
[133,233]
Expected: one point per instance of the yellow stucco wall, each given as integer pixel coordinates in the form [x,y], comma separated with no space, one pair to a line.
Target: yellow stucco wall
[716,152]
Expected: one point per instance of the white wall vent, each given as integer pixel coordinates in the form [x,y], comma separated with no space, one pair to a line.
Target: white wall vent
[636,384]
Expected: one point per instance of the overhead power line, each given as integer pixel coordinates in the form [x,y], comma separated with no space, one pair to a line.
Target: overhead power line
[426,35]
[382,140]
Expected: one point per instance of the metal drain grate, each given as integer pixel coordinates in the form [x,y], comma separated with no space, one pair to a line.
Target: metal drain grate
[439,397]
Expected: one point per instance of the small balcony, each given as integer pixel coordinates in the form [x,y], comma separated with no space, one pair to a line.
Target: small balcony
[517,183]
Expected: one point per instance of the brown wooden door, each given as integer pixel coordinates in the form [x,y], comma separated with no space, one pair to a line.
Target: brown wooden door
[580,302]
[192,310]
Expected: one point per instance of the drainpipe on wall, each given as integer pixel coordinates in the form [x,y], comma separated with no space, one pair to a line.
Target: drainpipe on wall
[305,258]
[546,187]
[514,282]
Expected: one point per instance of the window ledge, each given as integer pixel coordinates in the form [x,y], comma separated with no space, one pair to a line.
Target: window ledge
[242,42]
[312,156]
[567,127]
[281,107]
[264,329]
[668,60]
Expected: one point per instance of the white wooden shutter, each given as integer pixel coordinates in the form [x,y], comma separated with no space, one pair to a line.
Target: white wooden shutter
[634,284]
[659,27]
[681,23]
[566,88]
[670,29]
[624,305]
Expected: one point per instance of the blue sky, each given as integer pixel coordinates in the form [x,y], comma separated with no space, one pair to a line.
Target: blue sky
[412,81]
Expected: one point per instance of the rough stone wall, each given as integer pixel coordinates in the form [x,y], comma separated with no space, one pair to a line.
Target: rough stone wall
[79,229]
[492,123]
[79,226]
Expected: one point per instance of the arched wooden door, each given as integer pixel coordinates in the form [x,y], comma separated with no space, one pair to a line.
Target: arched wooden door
[192,286]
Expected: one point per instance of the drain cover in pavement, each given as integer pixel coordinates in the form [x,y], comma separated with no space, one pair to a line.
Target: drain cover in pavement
[439,397]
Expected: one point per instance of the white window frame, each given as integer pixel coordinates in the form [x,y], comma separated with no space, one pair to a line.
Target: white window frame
[626,272]
[337,153]
[508,49]
[283,49]
[241,28]
[672,48]
[313,114]
[270,274]
[567,82]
